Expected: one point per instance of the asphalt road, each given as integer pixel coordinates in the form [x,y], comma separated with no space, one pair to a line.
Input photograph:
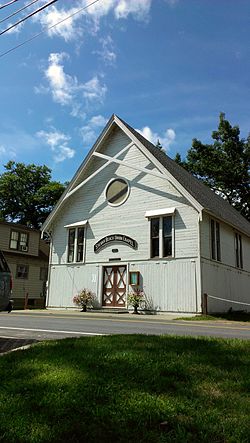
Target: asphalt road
[41,325]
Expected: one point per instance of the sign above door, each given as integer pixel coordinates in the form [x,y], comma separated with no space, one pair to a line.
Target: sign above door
[115,238]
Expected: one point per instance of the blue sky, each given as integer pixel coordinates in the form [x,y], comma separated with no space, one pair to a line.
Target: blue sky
[167,67]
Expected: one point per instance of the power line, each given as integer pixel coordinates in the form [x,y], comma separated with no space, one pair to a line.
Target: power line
[28,16]
[8,4]
[18,10]
[47,28]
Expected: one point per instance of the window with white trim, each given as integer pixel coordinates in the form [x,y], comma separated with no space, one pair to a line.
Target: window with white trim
[19,241]
[161,237]
[215,240]
[161,232]
[238,251]
[117,191]
[76,244]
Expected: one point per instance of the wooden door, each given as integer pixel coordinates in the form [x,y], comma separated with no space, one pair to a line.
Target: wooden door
[114,286]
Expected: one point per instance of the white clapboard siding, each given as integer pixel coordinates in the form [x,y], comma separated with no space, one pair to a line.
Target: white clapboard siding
[227,240]
[146,193]
[115,143]
[168,285]
[67,281]
[225,282]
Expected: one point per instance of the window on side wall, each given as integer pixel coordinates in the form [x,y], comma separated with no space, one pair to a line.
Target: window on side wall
[76,244]
[215,240]
[161,241]
[238,251]
[22,271]
[19,241]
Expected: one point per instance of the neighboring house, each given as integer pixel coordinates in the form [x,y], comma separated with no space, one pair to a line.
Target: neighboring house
[132,216]
[28,257]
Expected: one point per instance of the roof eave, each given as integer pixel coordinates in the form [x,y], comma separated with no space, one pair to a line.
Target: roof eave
[46,225]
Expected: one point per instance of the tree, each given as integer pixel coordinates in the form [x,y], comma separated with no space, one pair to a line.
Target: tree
[27,193]
[223,165]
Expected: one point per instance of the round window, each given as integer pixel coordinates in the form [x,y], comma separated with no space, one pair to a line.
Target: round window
[117,191]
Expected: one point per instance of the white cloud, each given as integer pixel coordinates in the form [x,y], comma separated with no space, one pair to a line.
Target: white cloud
[89,131]
[68,29]
[58,142]
[107,52]
[139,9]
[166,139]
[74,27]
[98,120]
[63,152]
[67,90]
[93,90]
[2,150]
[62,85]
[7,152]
[54,137]
[16,30]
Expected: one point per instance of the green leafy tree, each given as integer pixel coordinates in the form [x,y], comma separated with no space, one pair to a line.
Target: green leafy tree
[223,165]
[27,193]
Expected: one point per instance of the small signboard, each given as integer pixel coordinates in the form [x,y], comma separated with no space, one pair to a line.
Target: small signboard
[115,238]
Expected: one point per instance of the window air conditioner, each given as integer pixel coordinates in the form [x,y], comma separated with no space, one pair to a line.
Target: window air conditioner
[24,248]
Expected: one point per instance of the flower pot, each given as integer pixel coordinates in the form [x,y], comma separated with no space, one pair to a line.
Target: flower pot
[136,309]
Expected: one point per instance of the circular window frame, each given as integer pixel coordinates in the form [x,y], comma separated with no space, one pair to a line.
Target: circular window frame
[107,186]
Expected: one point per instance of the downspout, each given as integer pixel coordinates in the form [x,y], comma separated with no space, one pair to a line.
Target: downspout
[199,268]
[49,270]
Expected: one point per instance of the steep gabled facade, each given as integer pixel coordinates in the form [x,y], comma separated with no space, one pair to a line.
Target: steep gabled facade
[132,216]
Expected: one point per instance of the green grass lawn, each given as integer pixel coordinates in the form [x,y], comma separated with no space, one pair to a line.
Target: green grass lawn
[121,388]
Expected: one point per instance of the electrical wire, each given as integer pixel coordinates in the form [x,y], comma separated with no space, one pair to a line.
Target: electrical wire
[8,4]
[28,16]
[47,28]
[18,10]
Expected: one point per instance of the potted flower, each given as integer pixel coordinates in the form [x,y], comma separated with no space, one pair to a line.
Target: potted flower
[84,298]
[135,299]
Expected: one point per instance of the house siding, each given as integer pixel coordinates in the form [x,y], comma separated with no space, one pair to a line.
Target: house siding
[35,258]
[32,287]
[223,279]
[5,232]
[174,284]
[168,285]
[179,291]
[147,192]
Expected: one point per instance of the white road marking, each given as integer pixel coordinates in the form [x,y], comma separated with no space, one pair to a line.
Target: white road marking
[51,330]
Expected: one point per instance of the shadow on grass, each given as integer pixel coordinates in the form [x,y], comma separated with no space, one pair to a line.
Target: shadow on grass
[230,315]
[127,389]
[235,316]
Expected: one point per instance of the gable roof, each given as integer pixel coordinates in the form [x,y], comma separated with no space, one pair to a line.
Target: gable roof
[209,201]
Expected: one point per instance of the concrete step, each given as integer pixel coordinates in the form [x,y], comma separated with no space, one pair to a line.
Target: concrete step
[110,310]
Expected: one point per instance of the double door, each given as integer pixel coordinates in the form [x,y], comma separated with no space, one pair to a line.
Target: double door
[114,286]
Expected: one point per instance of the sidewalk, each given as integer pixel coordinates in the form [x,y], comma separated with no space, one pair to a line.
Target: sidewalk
[102,314]
[168,316]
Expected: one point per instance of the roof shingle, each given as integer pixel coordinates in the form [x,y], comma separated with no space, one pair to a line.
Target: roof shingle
[211,202]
